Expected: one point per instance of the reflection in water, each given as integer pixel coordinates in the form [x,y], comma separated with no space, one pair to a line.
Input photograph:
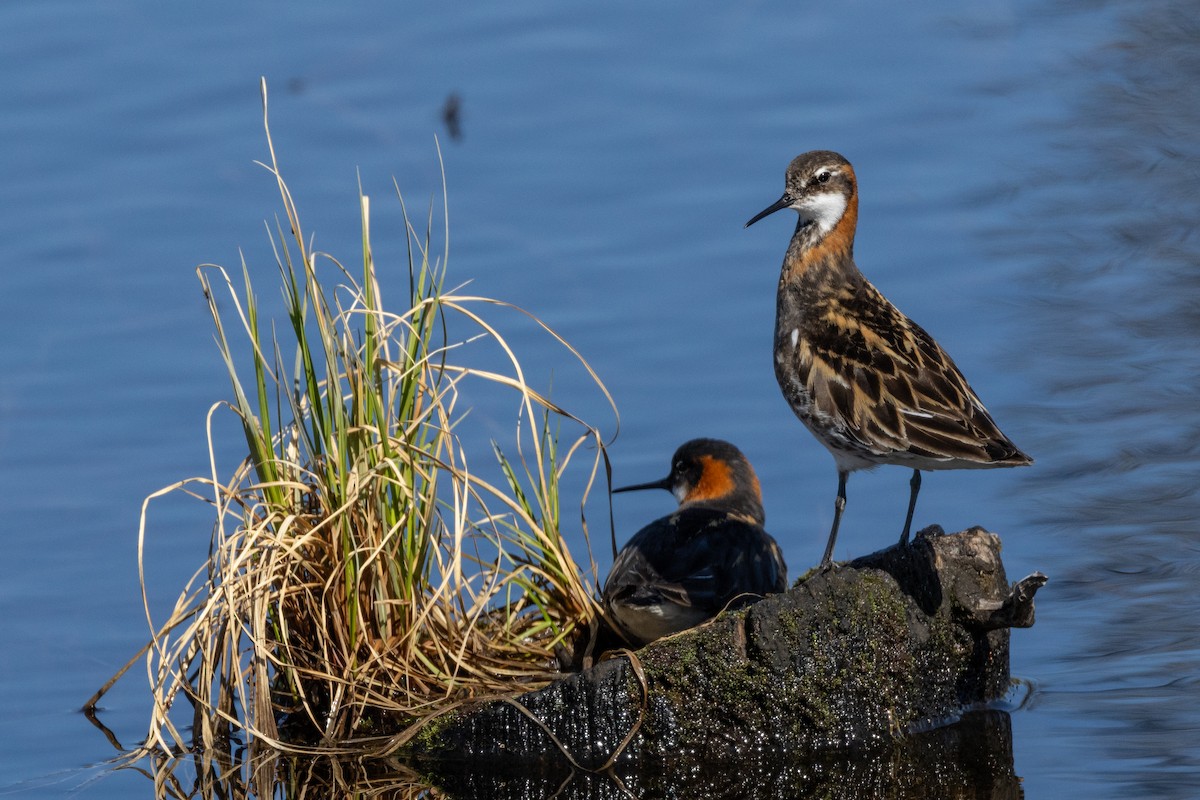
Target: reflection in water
[258,772]
[970,759]
[1116,339]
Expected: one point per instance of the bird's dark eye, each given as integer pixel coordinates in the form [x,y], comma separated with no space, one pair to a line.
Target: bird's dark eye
[823,177]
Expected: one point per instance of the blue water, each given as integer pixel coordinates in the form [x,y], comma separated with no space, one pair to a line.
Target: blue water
[1029,188]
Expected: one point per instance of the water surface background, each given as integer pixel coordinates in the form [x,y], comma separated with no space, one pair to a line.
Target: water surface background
[1029,176]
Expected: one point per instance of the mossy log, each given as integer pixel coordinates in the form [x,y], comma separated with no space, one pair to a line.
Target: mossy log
[889,643]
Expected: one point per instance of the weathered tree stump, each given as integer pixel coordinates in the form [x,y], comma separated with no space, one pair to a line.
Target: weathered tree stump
[892,642]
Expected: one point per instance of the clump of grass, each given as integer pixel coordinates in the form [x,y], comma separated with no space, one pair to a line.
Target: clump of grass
[362,575]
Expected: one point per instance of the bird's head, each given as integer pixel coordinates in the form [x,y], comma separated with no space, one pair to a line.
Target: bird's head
[821,187]
[713,472]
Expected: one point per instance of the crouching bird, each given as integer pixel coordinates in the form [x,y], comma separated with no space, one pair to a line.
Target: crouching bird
[712,553]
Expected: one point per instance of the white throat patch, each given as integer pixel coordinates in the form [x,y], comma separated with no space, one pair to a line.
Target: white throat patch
[824,210]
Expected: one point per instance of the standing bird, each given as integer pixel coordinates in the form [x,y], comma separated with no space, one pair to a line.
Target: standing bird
[869,383]
[711,554]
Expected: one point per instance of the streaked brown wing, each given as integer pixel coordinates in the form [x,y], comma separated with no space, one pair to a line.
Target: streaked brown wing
[891,385]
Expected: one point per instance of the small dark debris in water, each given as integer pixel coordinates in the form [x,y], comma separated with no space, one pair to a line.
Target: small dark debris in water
[452,115]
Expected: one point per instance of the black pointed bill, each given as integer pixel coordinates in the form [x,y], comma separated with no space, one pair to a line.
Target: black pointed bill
[665,483]
[783,202]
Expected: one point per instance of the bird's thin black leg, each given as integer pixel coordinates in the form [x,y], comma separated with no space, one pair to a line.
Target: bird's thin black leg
[915,483]
[838,507]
